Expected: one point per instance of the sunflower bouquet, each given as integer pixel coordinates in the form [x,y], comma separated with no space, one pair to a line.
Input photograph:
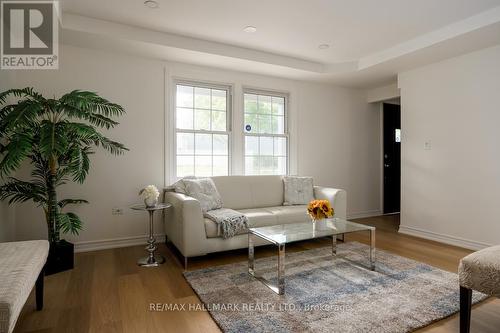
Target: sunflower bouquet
[319,209]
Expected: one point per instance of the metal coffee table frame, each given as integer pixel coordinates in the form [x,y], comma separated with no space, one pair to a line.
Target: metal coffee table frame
[280,287]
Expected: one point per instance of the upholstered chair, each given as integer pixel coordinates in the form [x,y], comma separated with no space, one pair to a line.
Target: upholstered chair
[478,271]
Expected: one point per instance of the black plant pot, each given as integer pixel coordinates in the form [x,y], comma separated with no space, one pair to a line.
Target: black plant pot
[61,257]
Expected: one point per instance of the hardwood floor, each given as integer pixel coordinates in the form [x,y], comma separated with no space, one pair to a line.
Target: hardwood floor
[108,292]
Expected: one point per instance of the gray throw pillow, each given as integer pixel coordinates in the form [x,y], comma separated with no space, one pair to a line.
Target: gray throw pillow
[204,190]
[298,190]
[179,186]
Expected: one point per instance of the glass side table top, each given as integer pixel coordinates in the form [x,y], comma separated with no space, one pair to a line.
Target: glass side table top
[158,206]
[293,232]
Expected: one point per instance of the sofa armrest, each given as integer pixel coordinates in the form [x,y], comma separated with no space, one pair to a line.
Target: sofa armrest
[184,223]
[337,197]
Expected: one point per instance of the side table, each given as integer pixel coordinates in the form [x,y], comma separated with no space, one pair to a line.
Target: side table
[152,260]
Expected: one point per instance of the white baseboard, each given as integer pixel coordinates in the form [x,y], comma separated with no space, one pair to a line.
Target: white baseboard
[442,238]
[368,213]
[94,245]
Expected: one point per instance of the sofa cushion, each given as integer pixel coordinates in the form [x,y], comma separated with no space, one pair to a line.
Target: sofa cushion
[20,263]
[262,217]
[179,185]
[243,192]
[256,218]
[290,214]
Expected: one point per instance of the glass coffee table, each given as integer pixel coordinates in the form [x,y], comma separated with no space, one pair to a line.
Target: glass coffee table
[282,234]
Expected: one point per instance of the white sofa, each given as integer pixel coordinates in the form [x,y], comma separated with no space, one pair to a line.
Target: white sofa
[260,198]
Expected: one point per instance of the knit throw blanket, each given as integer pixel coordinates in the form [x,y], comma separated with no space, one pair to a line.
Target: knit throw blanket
[229,221]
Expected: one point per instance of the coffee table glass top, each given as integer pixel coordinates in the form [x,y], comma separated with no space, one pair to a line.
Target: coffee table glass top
[293,232]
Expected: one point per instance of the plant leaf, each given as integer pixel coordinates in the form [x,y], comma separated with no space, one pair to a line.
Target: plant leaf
[18,148]
[24,92]
[69,223]
[53,142]
[21,191]
[88,133]
[88,102]
[63,203]
[21,116]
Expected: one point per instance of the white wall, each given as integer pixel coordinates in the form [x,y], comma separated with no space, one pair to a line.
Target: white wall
[335,137]
[7,232]
[452,191]
[383,93]
[341,123]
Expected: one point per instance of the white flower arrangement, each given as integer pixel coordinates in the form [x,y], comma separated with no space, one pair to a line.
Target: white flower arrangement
[150,195]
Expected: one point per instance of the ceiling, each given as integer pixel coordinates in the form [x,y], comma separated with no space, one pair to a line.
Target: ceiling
[370,41]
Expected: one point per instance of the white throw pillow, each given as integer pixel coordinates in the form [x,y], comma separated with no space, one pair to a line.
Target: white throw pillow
[298,190]
[204,190]
[179,186]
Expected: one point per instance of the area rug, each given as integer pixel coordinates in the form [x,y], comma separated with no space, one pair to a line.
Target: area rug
[329,294]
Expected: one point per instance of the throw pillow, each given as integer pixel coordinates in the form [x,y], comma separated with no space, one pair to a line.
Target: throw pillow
[298,190]
[179,186]
[204,190]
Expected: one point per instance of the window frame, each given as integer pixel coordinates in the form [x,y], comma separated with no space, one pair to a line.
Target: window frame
[286,135]
[229,117]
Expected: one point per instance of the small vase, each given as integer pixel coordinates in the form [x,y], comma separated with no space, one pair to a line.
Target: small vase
[321,225]
[150,202]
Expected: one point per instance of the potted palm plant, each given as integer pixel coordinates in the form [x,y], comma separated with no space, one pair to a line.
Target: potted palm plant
[56,136]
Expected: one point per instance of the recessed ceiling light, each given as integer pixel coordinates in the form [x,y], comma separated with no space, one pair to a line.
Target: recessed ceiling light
[250,29]
[323,46]
[151,4]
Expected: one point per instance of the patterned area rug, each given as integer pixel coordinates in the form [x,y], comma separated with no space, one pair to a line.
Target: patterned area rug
[329,294]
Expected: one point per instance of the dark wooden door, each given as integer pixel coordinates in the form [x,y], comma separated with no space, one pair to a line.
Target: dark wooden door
[392,158]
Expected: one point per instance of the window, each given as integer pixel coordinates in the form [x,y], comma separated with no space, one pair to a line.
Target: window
[202,130]
[266,137]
